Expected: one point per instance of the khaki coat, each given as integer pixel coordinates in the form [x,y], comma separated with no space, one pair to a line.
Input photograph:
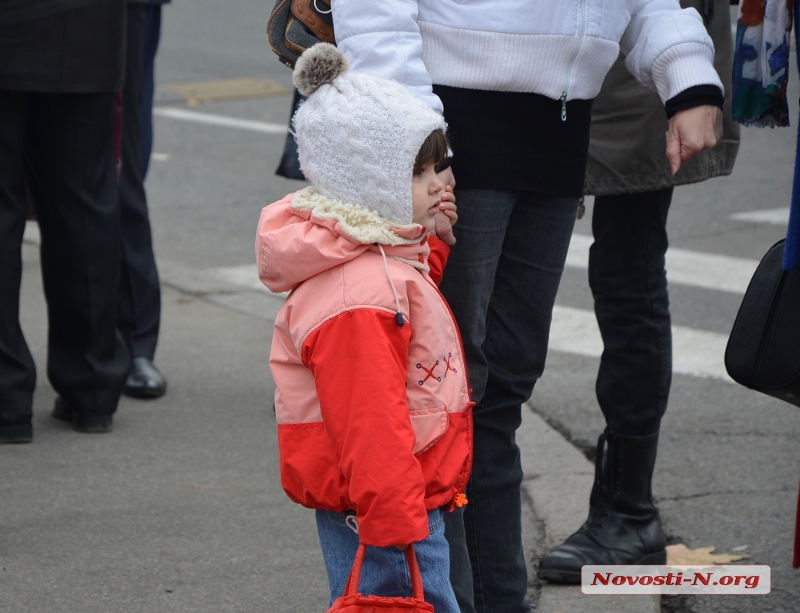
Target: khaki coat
[628,142]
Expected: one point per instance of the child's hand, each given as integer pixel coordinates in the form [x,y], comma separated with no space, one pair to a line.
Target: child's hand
[401,547]
[447,216]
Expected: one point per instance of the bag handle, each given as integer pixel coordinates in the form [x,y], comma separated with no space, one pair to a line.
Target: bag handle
[355,573]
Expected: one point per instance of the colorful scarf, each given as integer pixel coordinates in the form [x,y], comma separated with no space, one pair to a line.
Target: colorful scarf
[761,63]
[760,75]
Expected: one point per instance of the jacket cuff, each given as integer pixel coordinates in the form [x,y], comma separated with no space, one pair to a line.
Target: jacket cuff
[683,66]
[694,96]
[388,534]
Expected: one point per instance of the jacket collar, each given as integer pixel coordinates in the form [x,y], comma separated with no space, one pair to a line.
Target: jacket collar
[360,225]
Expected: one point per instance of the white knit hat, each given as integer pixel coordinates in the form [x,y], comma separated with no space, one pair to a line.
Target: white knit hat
[358,135]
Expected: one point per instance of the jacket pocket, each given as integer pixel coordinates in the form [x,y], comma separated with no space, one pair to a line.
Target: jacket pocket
[429,426]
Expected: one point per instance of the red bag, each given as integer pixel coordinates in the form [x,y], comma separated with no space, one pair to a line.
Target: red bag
[353,602]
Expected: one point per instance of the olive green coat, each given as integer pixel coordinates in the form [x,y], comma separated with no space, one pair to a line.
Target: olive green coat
[628,142]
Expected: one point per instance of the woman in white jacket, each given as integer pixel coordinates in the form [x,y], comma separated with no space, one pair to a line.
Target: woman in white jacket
[515,81]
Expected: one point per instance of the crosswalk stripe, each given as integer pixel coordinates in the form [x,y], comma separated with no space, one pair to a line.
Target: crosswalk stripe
[778,217]
[245,275]
[220,120]
[706,270]
[697,353]
[694,352]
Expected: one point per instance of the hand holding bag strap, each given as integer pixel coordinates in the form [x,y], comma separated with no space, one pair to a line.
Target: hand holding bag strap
[411,558]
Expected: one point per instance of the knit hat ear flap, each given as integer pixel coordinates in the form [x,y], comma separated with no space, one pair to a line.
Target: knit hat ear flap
[319,65]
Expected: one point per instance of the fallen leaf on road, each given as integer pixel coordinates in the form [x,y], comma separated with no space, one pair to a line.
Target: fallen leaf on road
[680,554]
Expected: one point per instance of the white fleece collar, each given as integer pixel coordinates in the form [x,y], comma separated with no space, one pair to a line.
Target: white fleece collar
[364,226]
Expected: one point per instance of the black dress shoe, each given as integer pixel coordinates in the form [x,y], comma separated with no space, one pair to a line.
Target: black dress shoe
[15,428]
[81,422]
[144,380]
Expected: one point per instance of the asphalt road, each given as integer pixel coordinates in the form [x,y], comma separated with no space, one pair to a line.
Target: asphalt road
[180,508]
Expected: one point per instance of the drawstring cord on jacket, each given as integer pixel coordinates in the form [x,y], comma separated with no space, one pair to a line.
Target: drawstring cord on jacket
[398,315]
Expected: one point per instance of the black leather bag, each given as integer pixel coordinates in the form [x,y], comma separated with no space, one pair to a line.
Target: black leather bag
[289,165]
[763,351]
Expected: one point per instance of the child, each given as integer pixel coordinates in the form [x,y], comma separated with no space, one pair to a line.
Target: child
[373,409]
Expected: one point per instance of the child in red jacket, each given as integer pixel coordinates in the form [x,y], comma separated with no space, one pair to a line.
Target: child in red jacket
[372,401]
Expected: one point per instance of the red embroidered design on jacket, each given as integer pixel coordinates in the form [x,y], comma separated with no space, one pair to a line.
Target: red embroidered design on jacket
[430,374]
[447,364]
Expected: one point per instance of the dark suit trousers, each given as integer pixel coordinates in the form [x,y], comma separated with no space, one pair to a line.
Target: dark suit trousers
[152,35]
[139,301]
[63,143]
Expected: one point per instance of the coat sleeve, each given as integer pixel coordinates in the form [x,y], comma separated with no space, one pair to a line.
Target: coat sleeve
[437,259]
[359,361]
[383,39]
[668,48]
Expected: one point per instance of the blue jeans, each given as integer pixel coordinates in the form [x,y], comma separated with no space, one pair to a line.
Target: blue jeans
[385,571]
[629,284]
[501,282]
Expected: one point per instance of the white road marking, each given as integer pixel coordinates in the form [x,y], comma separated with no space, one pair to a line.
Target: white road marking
[32,234]
[694,352]
[220,120]
[778,217]
[706,270]
[160,157]
[245,275]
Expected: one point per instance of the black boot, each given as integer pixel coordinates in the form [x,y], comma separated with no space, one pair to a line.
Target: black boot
[623,525]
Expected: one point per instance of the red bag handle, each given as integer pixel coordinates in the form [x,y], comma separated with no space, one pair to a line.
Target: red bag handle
[355,573]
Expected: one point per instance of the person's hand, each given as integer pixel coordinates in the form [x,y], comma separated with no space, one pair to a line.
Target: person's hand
[401,547]
[692,131]
[446,217]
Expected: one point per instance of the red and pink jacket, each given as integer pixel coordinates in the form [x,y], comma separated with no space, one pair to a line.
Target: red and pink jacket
[371,395]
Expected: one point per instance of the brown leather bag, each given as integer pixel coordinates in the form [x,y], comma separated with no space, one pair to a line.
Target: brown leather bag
[296,25]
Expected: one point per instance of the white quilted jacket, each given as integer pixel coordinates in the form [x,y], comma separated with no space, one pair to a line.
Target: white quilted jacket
[561,49]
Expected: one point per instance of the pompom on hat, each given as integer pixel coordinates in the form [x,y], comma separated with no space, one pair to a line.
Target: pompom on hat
[358,135]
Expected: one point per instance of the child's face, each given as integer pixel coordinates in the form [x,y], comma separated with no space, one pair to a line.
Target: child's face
[426,191]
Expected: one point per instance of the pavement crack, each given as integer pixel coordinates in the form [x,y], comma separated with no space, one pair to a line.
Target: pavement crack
[534,542]
[660,499]
[587,448]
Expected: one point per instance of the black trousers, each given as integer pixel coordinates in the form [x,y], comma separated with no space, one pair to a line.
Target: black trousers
[63,143]
[152,35]
[139,301]
[629,282]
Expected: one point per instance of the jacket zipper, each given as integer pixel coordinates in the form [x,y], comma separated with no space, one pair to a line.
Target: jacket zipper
[582,9]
